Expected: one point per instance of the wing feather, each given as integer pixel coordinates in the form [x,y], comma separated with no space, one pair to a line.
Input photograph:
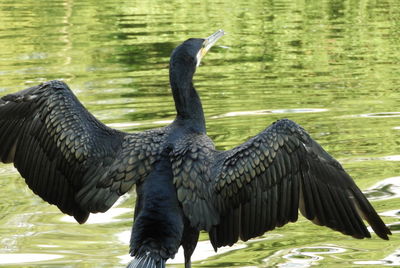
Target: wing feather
[268,179]
[66,155]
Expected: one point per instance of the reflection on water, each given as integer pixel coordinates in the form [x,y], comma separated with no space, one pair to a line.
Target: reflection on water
[115,214]
[385,189]
[380,158]
[392,213]
[263,112]
[395,226]
[391,260]
[141,124]
[107,217]
[308,256]
[381,115]
[331,66]
[26,258]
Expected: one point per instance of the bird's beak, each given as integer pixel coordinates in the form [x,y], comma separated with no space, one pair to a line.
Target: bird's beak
[208,43]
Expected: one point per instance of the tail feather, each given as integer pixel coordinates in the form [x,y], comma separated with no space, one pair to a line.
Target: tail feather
[147,261]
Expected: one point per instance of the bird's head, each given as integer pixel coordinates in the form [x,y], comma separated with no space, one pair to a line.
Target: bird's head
[184,61]
[190,52]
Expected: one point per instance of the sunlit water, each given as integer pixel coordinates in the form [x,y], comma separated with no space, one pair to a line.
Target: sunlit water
[332,66]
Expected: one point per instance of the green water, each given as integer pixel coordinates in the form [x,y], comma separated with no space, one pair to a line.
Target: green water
[332,66]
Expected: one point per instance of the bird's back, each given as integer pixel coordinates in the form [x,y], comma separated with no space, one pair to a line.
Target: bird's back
[158,227]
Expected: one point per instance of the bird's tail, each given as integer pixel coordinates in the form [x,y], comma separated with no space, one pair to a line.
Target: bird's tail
[147,261]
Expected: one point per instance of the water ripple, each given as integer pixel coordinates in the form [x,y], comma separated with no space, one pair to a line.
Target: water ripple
[378,115]
[7,169]
[262,112]
[308,256]
[391,260]
[128,125]
[391,213]
[123,125]
[386,189]
[109,216]
[24,258]
[380,158]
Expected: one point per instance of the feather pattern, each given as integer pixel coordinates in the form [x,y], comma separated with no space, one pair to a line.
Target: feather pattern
[261,184]
[147,261]
[184,184]
[67,156]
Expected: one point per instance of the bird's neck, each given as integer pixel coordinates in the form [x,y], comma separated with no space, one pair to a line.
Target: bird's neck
[187,101]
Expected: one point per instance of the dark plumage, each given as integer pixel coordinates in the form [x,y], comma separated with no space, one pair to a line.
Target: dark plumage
[183,183]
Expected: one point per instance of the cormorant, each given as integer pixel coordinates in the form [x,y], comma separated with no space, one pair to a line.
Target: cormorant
[183,183]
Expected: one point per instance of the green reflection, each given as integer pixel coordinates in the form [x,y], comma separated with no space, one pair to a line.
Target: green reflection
[338,59]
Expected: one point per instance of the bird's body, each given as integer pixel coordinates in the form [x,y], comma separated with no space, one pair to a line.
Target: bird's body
[183,183]
[158,225]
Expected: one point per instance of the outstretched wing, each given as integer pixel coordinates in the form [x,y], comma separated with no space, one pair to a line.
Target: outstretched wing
[262,184]
[66,155]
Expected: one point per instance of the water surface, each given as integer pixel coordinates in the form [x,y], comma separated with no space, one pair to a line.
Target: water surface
[332,66]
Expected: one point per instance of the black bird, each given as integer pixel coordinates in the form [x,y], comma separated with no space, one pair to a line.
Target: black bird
[183,183]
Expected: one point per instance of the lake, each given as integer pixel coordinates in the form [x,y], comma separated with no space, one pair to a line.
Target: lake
[331,66]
